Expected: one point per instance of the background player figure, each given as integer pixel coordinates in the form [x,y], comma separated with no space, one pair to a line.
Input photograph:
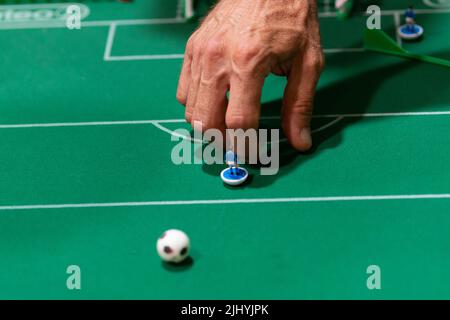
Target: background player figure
[410,30]
[410,18]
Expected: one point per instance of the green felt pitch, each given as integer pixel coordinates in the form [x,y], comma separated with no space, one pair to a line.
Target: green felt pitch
[86,176]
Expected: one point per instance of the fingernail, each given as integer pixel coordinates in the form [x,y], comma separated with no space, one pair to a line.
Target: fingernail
[197,126]
[305,136]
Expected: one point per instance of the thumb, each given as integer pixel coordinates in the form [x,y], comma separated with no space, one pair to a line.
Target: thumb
[299,96]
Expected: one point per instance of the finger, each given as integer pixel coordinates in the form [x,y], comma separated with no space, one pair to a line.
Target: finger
[183,82]
[211,102]
[244,107]
[299,96]
[243,112]
[193,86]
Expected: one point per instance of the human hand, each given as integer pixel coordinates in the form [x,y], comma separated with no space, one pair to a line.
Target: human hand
[236,47]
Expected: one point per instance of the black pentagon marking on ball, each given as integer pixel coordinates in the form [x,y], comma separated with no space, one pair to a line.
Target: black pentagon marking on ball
[184,251]
[168,249]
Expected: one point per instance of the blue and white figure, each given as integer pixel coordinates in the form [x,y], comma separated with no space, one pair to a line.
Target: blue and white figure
[410,19]
[232,161]
[233,175]
[410,30]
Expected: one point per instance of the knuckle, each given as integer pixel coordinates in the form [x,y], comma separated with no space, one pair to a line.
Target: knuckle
[194,46]
[196,50]
[301,30]
[214,49]
[302,108]
[245,54]
[202,123]
[239,122]
[190,45]
[208,125]
[321,61]
[316,62]
[188,116]
[181,97]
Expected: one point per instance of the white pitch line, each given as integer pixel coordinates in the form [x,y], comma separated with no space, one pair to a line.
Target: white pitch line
[227,201]
[322,128]
[342,50]
[384,114]
[34,25]
[139,122]
[426,11]
[147,57]
[327,5]
[439,4]
[133,22]
[90,24]
[170,121]
[326,126]
[109,42]
[189,138]
[82,124]
[368,115]
[107,23]
[432,4]
[397,25]
[179,9]
[388,12]
[175,134]
[189,8]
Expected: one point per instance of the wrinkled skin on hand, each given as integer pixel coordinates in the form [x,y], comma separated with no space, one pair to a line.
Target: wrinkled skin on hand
[236,47]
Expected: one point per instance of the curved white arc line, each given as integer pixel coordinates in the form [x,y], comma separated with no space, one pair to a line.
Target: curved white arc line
[440,4]
[156,124]
[173,133]
[326,126]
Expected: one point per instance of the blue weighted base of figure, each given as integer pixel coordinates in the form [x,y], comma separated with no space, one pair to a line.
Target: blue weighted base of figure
[409,32]
[234,176]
